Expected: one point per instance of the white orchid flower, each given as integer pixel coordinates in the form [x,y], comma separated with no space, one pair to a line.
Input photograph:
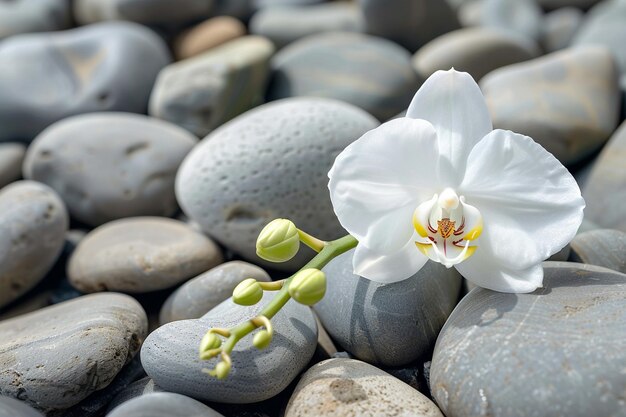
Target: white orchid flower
[441,184]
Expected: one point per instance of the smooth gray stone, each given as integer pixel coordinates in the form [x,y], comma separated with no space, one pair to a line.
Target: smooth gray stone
[283,25]
[470,13]
[170,354]
[11,158]
[10,407]
[140,254]
[559,28]
[602,247]
[348,387]
[605,189]
[558,351]
[50,76]
[410,23]
[391,324]
[25,16]
[567,101]
[141,11]
[520,17]
[33,222]
[138,388]
[163,404]
[346,67]
[55,357]
[201,294]
[203,92]
[269,162]
[138,156]
[260,4]
[477,51]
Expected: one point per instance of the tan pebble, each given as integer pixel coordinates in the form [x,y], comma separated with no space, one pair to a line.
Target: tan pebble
[207,35]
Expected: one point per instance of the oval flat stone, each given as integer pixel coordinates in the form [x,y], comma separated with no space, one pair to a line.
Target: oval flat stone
[102,67]
[202,92]
[163,404]
[567,101]
[557,351]
[207,35]
[24,16]
[170,354]
[11,158]
[140,254]
[602,247]
[141,11]
[199,295]
[268,163]
[33,222]
[138,155]
[348,387]
[55,357]
[346,66]
[10,407]
[391,324]
[138,388]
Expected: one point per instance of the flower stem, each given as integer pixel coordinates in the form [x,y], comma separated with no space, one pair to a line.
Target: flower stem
[311,241]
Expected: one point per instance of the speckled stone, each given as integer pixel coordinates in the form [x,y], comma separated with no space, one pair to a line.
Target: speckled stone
[559,28]
[141,11]
[348,387]
[410,23]
[163,404]
[198,296]
[33,222]
[567,101]
[202,92]
[391,324]
[140,254]
[283,25]
[102,67]
[555,352]
[270,162]
[11,158]
[26,16]
[256,375]
[207,35]
[55,357]
[523,18]
[138,388]
[477,51]
[602,247]
[10,407]
[138,155]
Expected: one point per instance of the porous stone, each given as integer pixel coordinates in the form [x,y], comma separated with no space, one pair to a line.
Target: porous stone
[551,352]
[602,247]
[24,16]
[163,404]
[140,254]
[207,35]
[411,23]
[10,407]
[141,11]
[201,294]
[102,67]
[567,101]
[268,163]
[283,25]
[202,92]
[391,324]
[520,17]
[55,357]
[559,28]
[11,158]
[138,156]
[170,354]
[347,67]
[33,222]
[342,387]
[138,388]
[477,51]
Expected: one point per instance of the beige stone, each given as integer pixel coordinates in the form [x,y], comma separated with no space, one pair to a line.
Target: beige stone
[207,35]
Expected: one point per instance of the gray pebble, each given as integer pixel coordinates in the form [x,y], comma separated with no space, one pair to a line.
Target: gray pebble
[519,17]
[10,407]
[270,162]
[559,28]
[163,404]
[138,155]
[203,92]
[33,222]
[141,11]
[26,16]
[138,388]
[140,254]
[55,357]
[371,73]
[347,387]
[556,4]
[391,324]
[11,158]
[567,101]
[103,67]
[199,295]
[170,354]
[603,247]
[556,352]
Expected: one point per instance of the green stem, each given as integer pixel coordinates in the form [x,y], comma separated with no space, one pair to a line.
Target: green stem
[311,241]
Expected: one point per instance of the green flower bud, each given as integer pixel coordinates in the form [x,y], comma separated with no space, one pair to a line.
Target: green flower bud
[308,286]
[222,370]
[279,241]
[210,341]
[262,339]
[248,292]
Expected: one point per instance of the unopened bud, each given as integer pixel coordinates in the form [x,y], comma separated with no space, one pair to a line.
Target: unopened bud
[248,292]
[262,339]
[279,241]
[308,286]
[210,341]
[222,370]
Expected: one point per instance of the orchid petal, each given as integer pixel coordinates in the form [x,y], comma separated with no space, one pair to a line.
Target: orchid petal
[530,203]
[387,269]
[378,180]
[453,103]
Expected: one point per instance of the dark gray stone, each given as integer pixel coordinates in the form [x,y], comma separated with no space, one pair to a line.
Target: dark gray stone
[136,389]
[26,16]
[603,247]
[141,11]
[163,404]
[11,158]
[10,407]
[556,4]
